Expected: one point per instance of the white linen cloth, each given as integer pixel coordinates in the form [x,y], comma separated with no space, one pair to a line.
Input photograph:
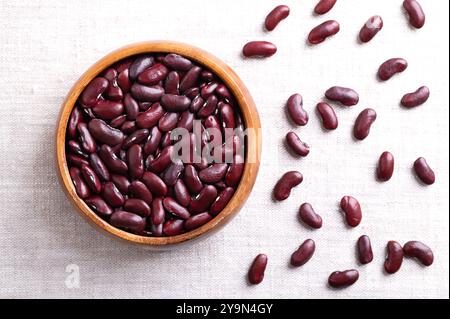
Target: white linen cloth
[47,45]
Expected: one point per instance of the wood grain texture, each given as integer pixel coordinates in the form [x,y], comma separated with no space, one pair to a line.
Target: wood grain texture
[249,113]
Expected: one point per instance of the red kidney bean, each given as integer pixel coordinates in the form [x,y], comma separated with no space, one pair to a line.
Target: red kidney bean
[419,250]
[257,269]
[208,90]
[203,200]
[209,107]
[415,13]
[123,80]
[86,139]
[150,117]
[213,173]
[139,190]
[168,121]
[158,213]
[192,180]
[156,230]
[345,96]
[416,98]
[424,171]
[154,74]
[131,107]
[207,76]
[112,195]
[93,92]
[391,67]
[309,216]
[177,62]
[134,138]
[139,65]
[328,116]
[137,206]
[192,92]
[172,83]
[128,221]
[118,121]
[222,200]
[135,161]
[104,133]
[223,92]
[365,254]
[260,49]
[175,103]
[304,253]
[76,160]
[165,140]
[144,93]
[385,167]
[99,206]
[341,279]
[144,106]
[173,227]
[370,28]
[75,117]
[295,110]
[123,64]
[227,115]
[323,6]
[275,16]
[294,142]
[128,127]
[99,167]
[288,181]
[107,110]
[110,74]
[122,183]
[80,185]
[182,193]
[172,173]
[155,184]
[163,160]
[186,120]
[114,92]
[196,104]
[89,113]
[173,207]
[198,220]
[234,173]
[363,123]
[151,145]
[394,257]
[76,149]
[323,31]
[352,210]
[111,160]
[190,79]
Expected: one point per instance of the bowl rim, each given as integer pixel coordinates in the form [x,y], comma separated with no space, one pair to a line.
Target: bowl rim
[244,101]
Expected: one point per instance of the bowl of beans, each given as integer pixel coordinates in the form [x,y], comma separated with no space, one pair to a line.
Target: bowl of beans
[158,144]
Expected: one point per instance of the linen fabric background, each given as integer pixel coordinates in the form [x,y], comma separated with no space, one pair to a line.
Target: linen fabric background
[47,45]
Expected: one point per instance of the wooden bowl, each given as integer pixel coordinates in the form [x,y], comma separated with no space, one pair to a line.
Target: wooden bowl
[253,143]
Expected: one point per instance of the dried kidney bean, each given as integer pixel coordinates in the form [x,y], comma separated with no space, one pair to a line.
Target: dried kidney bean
[111,160]
[104,133]
[352,210]
[259,49]
[391,67]
[197,220]
[385,167]
[394,258]
[203,201]
[112,195]
[275,16]
[309,216]
[99,206]
[93,92]
[138,189]
[139,65]
[363,123]
[87,141]
[416,98]
[341,279]
[304,253]
[91,179]
[328,116]
[173,207]
[322,31]
[296,111]
[137,206]
[370,28]
[173,227]
[80,185]
[365,254]
[415,13]
[284,186]
[122,183]
[420,251]
[323,6]
[294,142]
[257,269]
[222,200]
[130,221]
[424,171]
[345,96]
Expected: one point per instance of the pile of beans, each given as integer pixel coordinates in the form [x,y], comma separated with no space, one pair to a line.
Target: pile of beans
[121,154]
[346,97]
